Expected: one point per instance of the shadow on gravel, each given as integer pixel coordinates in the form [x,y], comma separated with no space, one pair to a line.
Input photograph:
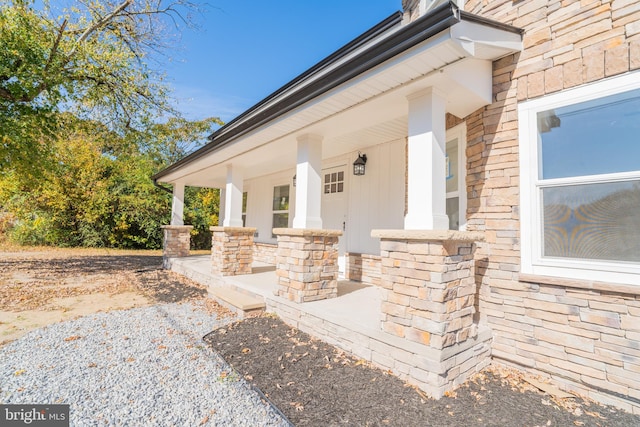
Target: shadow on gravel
[314,384]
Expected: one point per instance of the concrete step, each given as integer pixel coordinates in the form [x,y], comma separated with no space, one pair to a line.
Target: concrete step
[241,303]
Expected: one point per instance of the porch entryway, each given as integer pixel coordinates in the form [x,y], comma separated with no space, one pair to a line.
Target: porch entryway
[356,308]
[334,208]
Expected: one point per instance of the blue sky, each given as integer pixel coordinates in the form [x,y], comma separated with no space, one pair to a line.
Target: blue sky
[245,50]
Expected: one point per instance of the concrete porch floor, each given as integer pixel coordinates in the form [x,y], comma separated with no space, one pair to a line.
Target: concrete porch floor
[352,322]
[356,307]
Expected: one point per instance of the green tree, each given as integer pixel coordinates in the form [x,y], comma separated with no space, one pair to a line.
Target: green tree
[97,191]
[91,59]
[202,207]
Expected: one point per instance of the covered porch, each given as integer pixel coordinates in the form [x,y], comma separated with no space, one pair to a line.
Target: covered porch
[352,158]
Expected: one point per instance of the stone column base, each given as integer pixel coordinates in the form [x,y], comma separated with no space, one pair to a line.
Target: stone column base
[429,278]
[307,264]
[231,250]
[176,242]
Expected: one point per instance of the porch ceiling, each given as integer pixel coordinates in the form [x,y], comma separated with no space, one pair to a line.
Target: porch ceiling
[368,109]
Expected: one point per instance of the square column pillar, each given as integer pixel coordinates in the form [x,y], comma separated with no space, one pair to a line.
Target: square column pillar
[233,197]
[309,183]
[426,201]
[177,205]
[231,250]
[429,298]
[176,242]
[307,264]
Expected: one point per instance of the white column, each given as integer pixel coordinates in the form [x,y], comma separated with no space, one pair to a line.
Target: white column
[177,205]
[233,197]
[426,179]
[308,183]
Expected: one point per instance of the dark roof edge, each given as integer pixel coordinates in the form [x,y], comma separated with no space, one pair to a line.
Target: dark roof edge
[467,16]
[364,38]
[380,28]
[406,37]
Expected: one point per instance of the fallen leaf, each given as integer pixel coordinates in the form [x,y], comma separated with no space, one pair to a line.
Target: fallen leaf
[246,350]
[297,405]
[73,338]
[131,359]
[91,365]
[204,420]
[594,414]
[19,372]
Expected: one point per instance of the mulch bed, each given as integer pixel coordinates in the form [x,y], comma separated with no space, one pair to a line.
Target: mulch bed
[315,384]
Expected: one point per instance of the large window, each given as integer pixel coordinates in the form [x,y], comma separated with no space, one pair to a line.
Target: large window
[580,182]
[280,207]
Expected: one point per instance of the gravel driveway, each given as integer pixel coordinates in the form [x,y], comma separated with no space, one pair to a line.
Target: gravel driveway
[140,367]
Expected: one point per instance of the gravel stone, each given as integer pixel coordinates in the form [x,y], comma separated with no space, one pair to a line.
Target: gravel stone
[139,367]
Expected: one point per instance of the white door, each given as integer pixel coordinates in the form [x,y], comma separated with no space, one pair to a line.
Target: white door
[334,208]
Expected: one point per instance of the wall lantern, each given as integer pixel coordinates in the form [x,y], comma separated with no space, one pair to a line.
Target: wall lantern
[359,164]
[294,180]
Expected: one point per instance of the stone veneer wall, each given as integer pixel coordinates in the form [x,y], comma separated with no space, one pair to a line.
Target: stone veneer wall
[176,241]
[307,264]
[265,252]
[231,250]
[429,282]
[364,268]
[586,336]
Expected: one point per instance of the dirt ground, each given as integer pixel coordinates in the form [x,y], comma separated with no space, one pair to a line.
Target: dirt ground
[40,286]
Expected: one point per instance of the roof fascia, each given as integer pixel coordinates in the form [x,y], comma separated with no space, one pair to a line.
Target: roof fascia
[404,38]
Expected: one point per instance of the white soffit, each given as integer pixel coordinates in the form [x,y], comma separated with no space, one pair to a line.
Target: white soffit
[369,109]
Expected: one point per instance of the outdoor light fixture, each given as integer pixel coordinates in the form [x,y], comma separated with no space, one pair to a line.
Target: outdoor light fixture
[294,180]
[359,164]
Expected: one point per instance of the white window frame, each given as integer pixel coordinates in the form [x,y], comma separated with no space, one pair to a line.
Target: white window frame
[459,132]
[287,211]
[532,261]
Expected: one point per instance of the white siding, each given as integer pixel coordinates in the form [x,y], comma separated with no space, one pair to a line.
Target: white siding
[260,202]
[376,200]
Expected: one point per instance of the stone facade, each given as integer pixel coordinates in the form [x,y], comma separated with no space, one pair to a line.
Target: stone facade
[231,250]
[429,298]
[307,264]
[265,252]
[363,268]
[176,241]
[583,335]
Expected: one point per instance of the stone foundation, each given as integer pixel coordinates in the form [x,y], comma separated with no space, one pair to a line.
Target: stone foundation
[176,242]
[231,250]
[429,282]
[363,268]
[307,264]
[265,252]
